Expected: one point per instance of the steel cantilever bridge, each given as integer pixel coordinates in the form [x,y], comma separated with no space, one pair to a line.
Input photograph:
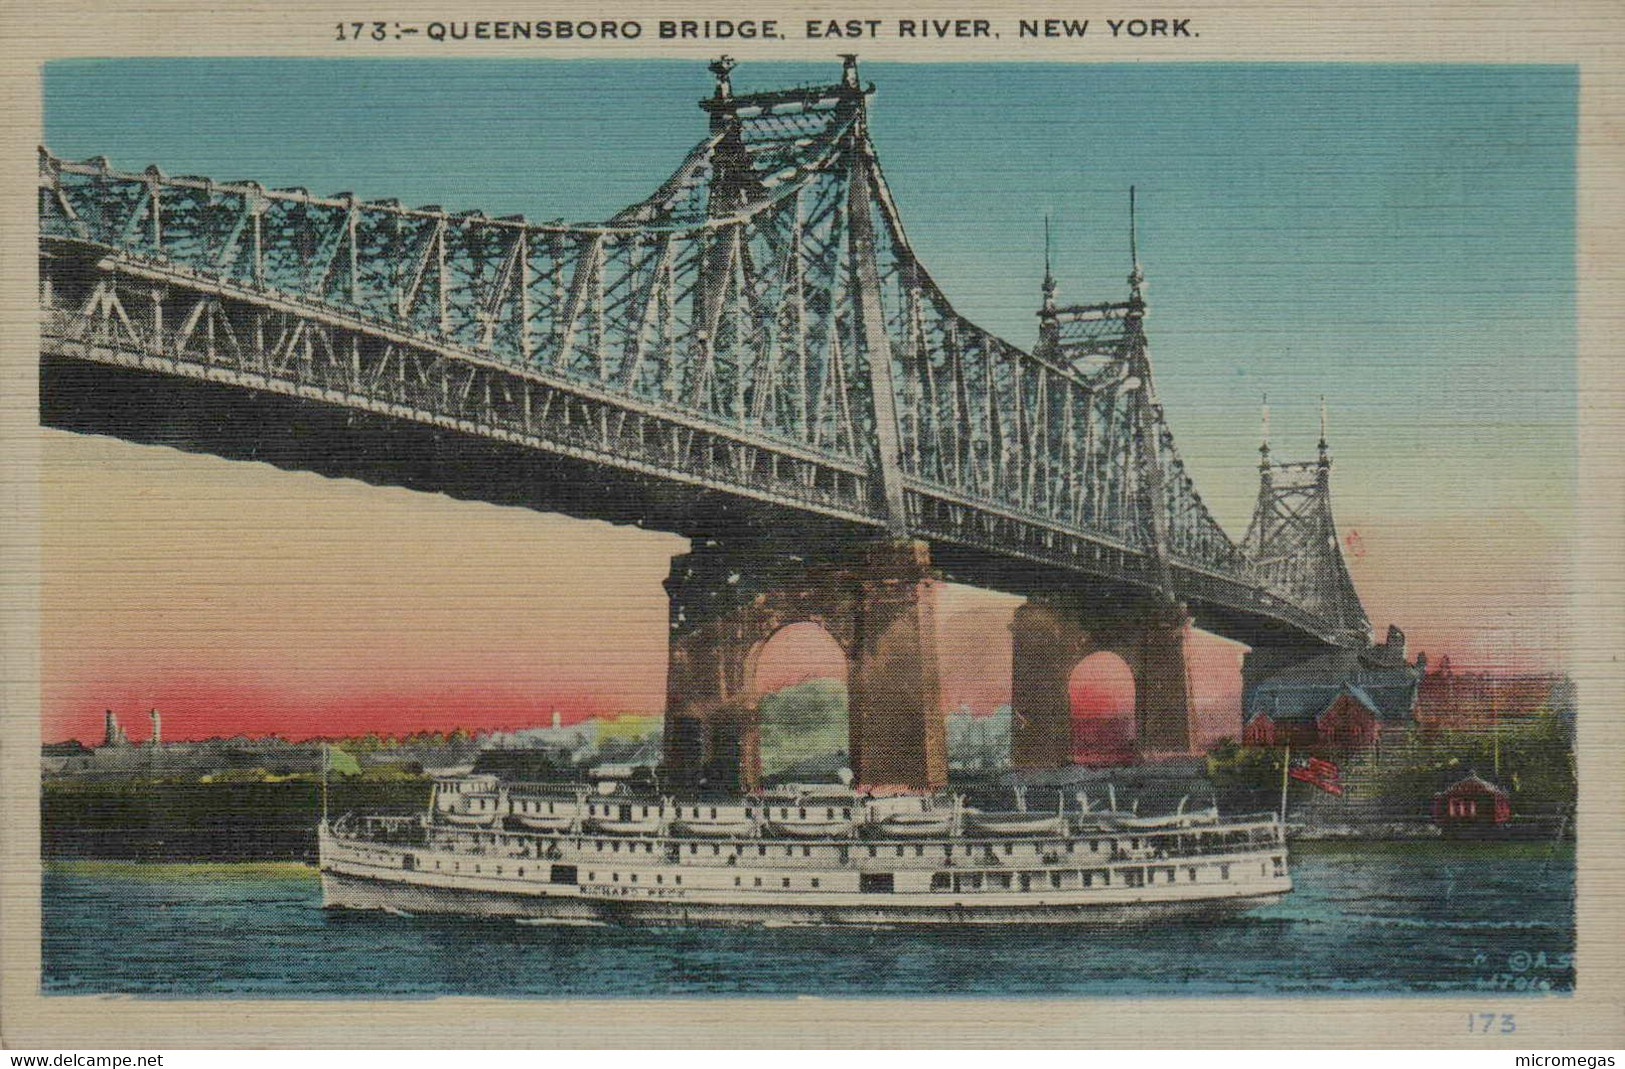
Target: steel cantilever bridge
[754,358]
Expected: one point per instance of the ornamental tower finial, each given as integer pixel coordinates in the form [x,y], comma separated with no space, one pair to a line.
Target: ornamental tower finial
[1049,278]
[1325,450]
[723,67]
[1136,277]
[849,69]
[1264,443]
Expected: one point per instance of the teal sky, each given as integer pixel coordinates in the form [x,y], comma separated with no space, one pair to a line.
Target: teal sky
[1398,238]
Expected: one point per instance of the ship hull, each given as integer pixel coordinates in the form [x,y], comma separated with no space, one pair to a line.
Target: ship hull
[343,891]
[618,871]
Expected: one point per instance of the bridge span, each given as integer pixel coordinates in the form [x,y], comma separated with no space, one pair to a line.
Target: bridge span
[752,358]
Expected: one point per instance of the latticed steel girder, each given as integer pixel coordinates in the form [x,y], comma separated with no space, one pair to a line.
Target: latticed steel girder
[760,322]
[1292,546]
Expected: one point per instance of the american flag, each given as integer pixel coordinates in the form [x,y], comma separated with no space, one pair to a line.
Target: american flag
[1320,772]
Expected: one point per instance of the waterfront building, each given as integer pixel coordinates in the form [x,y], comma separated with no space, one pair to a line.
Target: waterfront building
[1343,701]
[1472,801]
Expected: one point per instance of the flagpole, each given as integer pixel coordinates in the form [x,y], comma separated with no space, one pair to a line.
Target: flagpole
[1286,769]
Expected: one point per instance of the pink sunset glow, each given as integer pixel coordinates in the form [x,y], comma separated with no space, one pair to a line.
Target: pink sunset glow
[239,599]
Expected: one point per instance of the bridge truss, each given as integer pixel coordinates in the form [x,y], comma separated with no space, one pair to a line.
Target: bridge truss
[759,325]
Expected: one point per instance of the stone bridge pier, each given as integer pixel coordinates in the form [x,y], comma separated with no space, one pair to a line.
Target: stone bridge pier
[1052,636]
[875,599]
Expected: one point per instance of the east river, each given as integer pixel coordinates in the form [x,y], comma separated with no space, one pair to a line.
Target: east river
[1366,919]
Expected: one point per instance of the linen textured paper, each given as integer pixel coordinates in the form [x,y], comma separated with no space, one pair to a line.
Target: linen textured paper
[962,516]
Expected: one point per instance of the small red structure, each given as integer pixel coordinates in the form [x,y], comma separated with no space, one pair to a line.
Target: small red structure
[1471,801]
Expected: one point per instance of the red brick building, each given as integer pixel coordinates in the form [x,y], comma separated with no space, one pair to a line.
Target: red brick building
[1473,800]
[1340,701]
[1350,720]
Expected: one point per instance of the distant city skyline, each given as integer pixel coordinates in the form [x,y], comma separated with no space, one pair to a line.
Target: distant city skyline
[1398,239]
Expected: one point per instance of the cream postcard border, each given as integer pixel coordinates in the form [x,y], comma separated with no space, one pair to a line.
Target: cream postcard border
[1586,33]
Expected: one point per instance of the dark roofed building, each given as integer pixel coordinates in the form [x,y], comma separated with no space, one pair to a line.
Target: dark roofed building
[1341,700]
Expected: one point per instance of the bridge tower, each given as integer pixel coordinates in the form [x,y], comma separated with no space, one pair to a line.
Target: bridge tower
[1292,547]
[873,594]
[1146,626]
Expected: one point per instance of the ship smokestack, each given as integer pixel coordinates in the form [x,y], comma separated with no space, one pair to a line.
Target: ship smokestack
[157,739]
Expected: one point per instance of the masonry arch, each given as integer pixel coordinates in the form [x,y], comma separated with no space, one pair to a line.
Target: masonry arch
[1049,641]
[875,603]
[1102,693]
[796,680]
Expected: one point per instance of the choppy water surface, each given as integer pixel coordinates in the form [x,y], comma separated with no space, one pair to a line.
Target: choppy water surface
[1366,918]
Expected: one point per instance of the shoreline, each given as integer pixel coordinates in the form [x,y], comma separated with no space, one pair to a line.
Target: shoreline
[275,822]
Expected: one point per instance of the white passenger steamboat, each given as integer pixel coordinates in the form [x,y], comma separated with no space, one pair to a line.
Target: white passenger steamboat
[797,855]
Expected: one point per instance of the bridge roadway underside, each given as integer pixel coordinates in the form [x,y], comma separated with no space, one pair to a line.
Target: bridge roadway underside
[299,434]
[872,594]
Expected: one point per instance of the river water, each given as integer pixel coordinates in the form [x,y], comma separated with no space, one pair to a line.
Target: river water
[1365,919]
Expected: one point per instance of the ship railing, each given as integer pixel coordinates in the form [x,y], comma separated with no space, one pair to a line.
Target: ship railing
[383,827]
[388,819]
[555,791]
[1240,836]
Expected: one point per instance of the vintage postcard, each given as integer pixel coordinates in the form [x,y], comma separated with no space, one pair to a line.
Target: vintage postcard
[1079,526]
